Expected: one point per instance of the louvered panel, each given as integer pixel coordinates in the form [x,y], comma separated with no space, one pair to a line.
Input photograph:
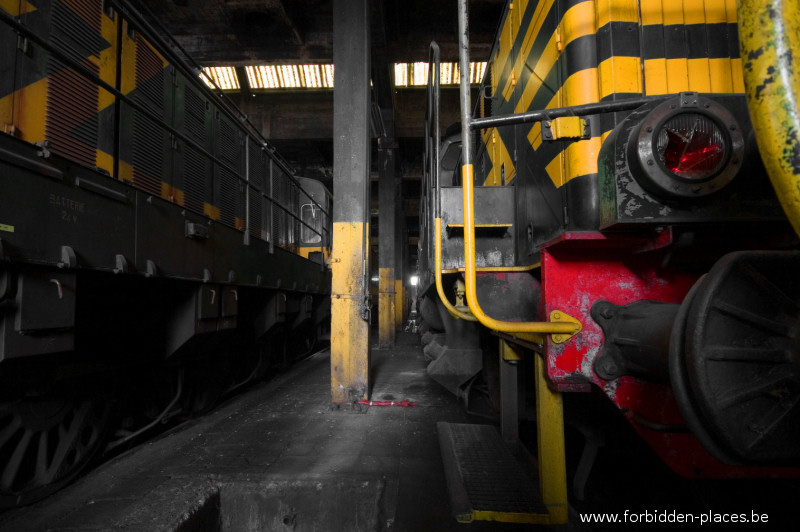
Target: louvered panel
[259,184]
[229,144]
[76,28]
[149,138]
[257,228]
[295,225]
[89,10]
[259,171]
[197,175]
[148,155]
[279,216]
[229,197]
[196,179]
[71,124]
[231,189]
[194,115]
[149,77]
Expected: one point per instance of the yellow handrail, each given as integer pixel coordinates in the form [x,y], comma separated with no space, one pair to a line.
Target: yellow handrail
[769,37]
[541,327]
[438,269]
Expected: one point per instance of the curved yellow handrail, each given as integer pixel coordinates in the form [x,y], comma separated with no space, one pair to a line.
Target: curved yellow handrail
[541,327]
[769,36]
[438,269]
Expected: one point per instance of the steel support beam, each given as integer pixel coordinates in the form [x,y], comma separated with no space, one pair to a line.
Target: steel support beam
[387,230]
[401,257]
[351,151]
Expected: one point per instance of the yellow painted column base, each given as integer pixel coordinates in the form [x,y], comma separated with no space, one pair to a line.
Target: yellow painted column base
[386,307]
[349,331]
[399,304]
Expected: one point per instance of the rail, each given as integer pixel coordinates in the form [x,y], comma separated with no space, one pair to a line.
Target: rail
[433,140]
[543,327]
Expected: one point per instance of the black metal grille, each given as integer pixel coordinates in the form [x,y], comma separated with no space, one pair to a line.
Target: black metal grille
[148,137]
[490,474]
[259,184]
[71,125]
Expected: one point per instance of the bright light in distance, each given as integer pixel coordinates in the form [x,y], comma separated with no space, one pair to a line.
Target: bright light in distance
[414,280]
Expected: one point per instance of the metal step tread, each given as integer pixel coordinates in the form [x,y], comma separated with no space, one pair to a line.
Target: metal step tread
[484,478]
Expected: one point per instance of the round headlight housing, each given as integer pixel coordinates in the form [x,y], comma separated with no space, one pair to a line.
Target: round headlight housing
[687,147]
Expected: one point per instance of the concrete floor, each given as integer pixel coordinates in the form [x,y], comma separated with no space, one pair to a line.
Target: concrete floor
[280,458]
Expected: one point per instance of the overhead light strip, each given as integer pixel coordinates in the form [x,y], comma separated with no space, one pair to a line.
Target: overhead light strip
[222,77]
[416,74]
[290,76]
[320,76]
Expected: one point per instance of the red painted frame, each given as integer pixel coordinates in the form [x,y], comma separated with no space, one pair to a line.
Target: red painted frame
[579,269]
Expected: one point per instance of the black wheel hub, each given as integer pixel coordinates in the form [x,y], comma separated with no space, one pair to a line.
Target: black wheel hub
[735,359]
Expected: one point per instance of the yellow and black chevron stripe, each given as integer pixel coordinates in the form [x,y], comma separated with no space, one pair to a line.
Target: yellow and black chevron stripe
[37,83]
[44,99]
[555,53]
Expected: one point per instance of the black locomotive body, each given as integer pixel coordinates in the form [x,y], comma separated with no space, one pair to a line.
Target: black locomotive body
[153,246]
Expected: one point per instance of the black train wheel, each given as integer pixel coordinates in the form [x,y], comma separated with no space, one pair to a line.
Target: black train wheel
[44,443]
[735,359]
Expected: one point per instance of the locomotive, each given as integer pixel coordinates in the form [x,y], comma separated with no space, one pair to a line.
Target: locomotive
[602,214]
[156,252]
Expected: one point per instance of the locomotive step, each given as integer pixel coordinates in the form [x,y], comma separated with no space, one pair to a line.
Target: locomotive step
[486,480]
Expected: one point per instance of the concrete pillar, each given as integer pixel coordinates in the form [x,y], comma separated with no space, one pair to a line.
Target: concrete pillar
[387,229]
[351,151]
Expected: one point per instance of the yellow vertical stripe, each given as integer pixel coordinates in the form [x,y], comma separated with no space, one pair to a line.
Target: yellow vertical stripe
[386,308]
[620,74]
[651,12]
[616,10]
[399,302]
[720,75]
[715,11]
[699,75]
[677,75]
[672,12]
[655,76]
[694,11]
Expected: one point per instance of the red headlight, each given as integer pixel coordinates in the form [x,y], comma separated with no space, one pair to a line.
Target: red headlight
[691,146]
[687,147]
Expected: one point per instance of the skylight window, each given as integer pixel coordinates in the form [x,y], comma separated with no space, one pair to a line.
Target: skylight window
[416,74]
[290,76]
[223,77]
[321,76]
